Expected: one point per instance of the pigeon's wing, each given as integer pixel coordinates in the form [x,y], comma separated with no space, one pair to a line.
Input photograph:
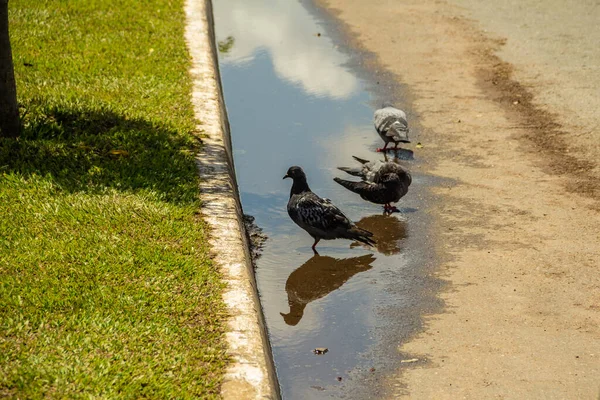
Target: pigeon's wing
[374,192]
[366,170]
[319,213]
[398,131]
[361,187]
[353,171]
[391,122]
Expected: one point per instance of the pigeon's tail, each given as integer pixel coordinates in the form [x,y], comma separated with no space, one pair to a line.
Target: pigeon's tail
[399,132]
[361,235]
[356,187]
[360,160]
[352,171]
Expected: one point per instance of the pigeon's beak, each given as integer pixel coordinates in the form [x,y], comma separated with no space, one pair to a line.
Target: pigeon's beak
[286,176]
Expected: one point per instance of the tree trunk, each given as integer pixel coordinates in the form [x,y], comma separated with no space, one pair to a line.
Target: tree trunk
[9,111]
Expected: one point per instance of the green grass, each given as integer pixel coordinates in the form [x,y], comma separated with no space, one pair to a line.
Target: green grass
[106,286]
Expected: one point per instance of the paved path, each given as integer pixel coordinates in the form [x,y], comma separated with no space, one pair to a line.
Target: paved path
[505,97]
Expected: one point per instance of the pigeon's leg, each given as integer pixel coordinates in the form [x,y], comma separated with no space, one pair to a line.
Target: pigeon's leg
[314,244]
[384,147]
[394,149]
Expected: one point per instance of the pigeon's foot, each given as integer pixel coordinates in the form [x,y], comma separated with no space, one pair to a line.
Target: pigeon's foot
[383,149]
[388,209]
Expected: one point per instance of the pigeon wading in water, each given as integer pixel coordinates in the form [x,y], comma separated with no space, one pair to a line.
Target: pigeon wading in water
[318,216]
[391,125]
[382,182]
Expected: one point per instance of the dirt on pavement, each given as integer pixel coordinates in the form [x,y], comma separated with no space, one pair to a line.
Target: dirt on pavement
[519,229]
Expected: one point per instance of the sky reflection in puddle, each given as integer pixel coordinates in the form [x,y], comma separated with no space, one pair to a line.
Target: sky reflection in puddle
[291,101]
[288,34]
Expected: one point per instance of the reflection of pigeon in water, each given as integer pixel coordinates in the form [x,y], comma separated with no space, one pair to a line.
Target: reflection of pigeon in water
[317,216]
[391,125]
[389,231]
[318,277]
[382,182]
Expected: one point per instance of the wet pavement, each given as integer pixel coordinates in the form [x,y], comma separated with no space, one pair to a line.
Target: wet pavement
[297,95]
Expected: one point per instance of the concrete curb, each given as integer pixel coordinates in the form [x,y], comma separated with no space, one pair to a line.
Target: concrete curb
[251,373]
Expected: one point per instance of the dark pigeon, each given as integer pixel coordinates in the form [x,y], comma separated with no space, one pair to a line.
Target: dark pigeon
[391,125]
[382,182]
[318,216]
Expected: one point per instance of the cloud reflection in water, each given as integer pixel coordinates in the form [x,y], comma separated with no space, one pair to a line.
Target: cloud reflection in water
[287,32]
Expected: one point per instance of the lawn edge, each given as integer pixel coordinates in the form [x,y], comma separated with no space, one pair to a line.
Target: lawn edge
[251,372]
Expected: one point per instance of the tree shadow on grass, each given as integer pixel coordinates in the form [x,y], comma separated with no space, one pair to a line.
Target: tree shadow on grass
[92,150]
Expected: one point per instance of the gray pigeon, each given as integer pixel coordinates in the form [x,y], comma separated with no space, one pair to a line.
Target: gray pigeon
[391,125]
[382,182]
[318,216]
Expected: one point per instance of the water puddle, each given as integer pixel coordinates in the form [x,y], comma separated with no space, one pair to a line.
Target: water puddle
[292,99]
